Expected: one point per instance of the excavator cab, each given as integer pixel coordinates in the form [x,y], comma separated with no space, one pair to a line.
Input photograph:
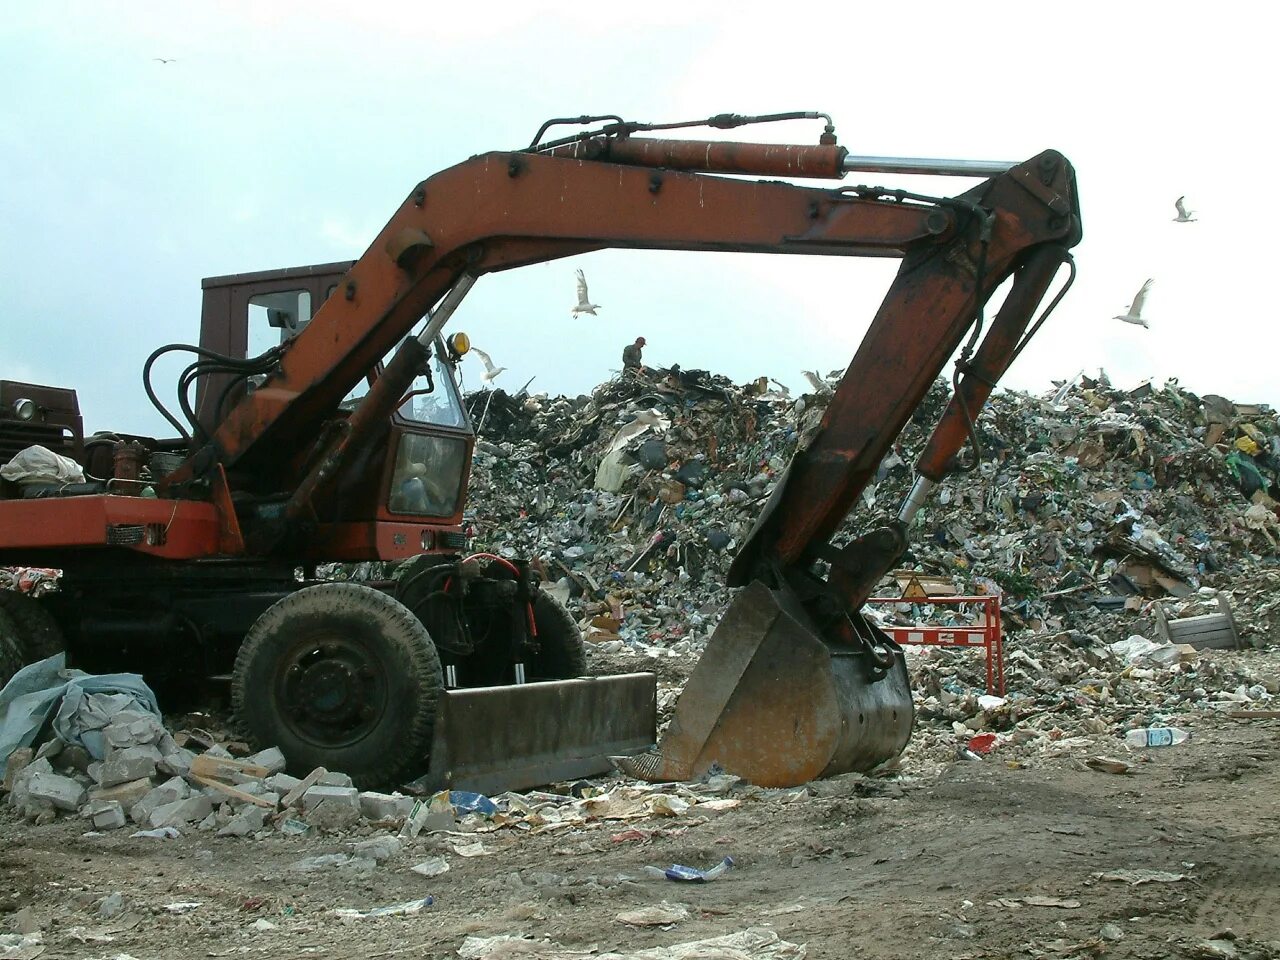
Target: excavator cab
[429,436]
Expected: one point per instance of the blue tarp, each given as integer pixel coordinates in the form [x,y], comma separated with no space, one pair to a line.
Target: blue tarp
[71,705]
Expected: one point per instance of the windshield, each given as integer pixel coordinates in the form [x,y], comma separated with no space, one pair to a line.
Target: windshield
[442,406]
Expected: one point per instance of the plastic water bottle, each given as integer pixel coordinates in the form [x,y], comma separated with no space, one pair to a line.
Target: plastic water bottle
[1156,737]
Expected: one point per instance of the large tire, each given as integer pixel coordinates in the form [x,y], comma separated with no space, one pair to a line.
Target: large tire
[10,649]
[560,653]
[39,636]
[342,676]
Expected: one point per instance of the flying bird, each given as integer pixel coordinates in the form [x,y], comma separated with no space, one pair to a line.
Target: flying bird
[1135,309]
[819,385]
[584,304]
[490,371]
[1184,215]
[163,60]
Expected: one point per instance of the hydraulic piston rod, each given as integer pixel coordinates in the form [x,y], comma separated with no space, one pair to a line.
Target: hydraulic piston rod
[925,165]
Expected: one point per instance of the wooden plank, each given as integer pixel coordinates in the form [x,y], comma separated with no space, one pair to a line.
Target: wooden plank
[1178,629]
[1254,714]
[232,792]
[224,767]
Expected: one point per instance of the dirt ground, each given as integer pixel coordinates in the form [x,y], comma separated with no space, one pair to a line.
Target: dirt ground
[921,865]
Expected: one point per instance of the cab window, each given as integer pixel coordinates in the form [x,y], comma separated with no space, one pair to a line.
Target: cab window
[275,318]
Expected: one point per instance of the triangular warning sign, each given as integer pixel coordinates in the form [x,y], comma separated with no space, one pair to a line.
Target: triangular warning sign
[914,591]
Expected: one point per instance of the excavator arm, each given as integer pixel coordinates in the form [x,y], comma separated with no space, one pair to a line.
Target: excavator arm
[793,662]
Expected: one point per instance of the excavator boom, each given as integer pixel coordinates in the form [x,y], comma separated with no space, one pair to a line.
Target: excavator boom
[794,683]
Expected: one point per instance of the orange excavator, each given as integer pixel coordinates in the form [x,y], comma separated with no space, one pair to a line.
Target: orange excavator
[327,426]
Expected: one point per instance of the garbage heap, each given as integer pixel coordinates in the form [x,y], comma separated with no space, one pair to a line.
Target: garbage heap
[1087,501]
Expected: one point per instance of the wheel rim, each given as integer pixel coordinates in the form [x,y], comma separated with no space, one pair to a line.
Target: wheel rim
[331,691]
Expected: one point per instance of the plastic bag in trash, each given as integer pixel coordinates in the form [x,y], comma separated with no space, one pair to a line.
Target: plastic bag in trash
[38,464]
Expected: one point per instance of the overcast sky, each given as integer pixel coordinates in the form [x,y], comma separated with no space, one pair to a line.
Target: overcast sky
[288,132]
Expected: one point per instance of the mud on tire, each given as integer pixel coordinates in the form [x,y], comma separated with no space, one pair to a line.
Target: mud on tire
[342,676]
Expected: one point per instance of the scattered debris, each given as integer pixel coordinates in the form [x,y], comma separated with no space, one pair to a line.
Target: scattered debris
[1137,877]
[664,914]
[407,909]
[690,874]
[1108,765]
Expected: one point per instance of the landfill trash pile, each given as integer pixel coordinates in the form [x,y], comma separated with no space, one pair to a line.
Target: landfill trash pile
[1090,504]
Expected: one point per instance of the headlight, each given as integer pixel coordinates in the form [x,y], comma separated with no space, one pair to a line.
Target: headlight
[459,344]
[24,409]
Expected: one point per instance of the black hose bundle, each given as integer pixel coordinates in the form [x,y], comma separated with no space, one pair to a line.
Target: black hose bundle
[208,363]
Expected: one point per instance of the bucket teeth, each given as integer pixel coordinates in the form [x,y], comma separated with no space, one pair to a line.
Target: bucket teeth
[651,766]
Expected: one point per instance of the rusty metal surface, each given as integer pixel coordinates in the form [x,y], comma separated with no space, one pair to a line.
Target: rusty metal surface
[757,159]
[921,323]
[1031,283]
[771,702]
[492,739]
[494,210]
[177,529]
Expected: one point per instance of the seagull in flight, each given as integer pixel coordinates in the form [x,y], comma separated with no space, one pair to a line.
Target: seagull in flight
[1184,215]
[819,385]
[584,304]
[490,371]
[1135,309]
[163,60]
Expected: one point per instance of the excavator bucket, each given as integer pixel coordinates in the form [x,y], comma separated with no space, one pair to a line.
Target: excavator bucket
[491,739]
[772,702]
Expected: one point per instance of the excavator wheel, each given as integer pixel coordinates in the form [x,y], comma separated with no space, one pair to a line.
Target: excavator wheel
[39,636]
[343,676]
[560,651]
[10,651]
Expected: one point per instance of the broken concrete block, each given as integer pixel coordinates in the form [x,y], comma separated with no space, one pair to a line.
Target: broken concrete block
[50,749]
[18,761]
[319,794]
[94,770]
[208,823]
[306,783]
[180,812]
[18,795]
[271,758]
[132,728]
[248,820]
[106,814]
[282,783]
[168,792]
[125,794]
[331,808]
[176,762]
[334,779]
[132,763]
[57,790]
[385,806]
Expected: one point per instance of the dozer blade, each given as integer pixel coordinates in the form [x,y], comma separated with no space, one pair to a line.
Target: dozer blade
[771,702]
[491,739]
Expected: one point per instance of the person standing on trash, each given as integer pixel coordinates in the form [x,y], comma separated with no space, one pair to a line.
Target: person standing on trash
[631,357]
